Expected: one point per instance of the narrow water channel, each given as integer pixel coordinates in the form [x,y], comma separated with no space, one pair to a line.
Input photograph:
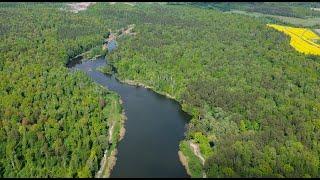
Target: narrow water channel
[154,127]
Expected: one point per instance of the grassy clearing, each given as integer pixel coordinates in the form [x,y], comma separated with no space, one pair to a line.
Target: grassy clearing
[308,22]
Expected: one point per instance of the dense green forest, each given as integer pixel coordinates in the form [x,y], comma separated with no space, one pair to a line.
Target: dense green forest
[253,98]
[54,123]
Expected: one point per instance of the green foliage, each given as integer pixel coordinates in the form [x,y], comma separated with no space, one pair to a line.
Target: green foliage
[52,121]
[247,89]
[249,92]
[194,163]
[204,145]
[107,69]
[94,52]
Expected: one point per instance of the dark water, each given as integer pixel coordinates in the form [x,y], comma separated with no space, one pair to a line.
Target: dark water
[154,127]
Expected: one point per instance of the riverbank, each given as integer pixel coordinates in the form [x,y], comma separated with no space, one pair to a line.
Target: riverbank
[182,157]
[82,57]
[108,162]
[116,129]
[184,161]
[160,114]
[183,154]
[134,83]
[109,159]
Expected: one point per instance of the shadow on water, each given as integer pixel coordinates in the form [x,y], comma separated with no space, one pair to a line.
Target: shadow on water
[74,61]
[154,128]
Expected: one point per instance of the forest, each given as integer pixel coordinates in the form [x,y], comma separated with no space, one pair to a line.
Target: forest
[254,99]
[54,123]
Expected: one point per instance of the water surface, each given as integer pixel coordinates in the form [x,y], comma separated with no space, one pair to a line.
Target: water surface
[154,127]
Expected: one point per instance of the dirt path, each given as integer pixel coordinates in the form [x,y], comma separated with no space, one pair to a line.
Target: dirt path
[128,31]
[196,151]
[111,132]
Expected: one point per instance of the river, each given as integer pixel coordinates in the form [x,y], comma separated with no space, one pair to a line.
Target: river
[154,127]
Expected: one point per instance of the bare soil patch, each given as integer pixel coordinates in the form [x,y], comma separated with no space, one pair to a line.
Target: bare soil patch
[196,151]
[76,7]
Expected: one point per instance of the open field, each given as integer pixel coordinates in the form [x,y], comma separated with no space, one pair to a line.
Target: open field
[308,22]
[302,39]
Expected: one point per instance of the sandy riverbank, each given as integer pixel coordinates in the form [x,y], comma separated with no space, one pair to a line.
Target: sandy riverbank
[184,161]
[108,162]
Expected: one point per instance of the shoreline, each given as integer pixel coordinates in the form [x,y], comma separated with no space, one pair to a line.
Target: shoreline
[182,158]
[108,162]
[134,83]
[184,161]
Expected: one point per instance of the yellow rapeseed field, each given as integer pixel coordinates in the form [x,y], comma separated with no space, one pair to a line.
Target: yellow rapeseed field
[302,39]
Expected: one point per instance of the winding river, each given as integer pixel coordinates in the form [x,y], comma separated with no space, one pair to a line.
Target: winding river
[154,127]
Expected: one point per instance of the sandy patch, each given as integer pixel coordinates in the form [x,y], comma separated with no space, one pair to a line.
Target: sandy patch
[76,7]
[196,151]
[107,164]
[315,9]
[128,3]
[184,161]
